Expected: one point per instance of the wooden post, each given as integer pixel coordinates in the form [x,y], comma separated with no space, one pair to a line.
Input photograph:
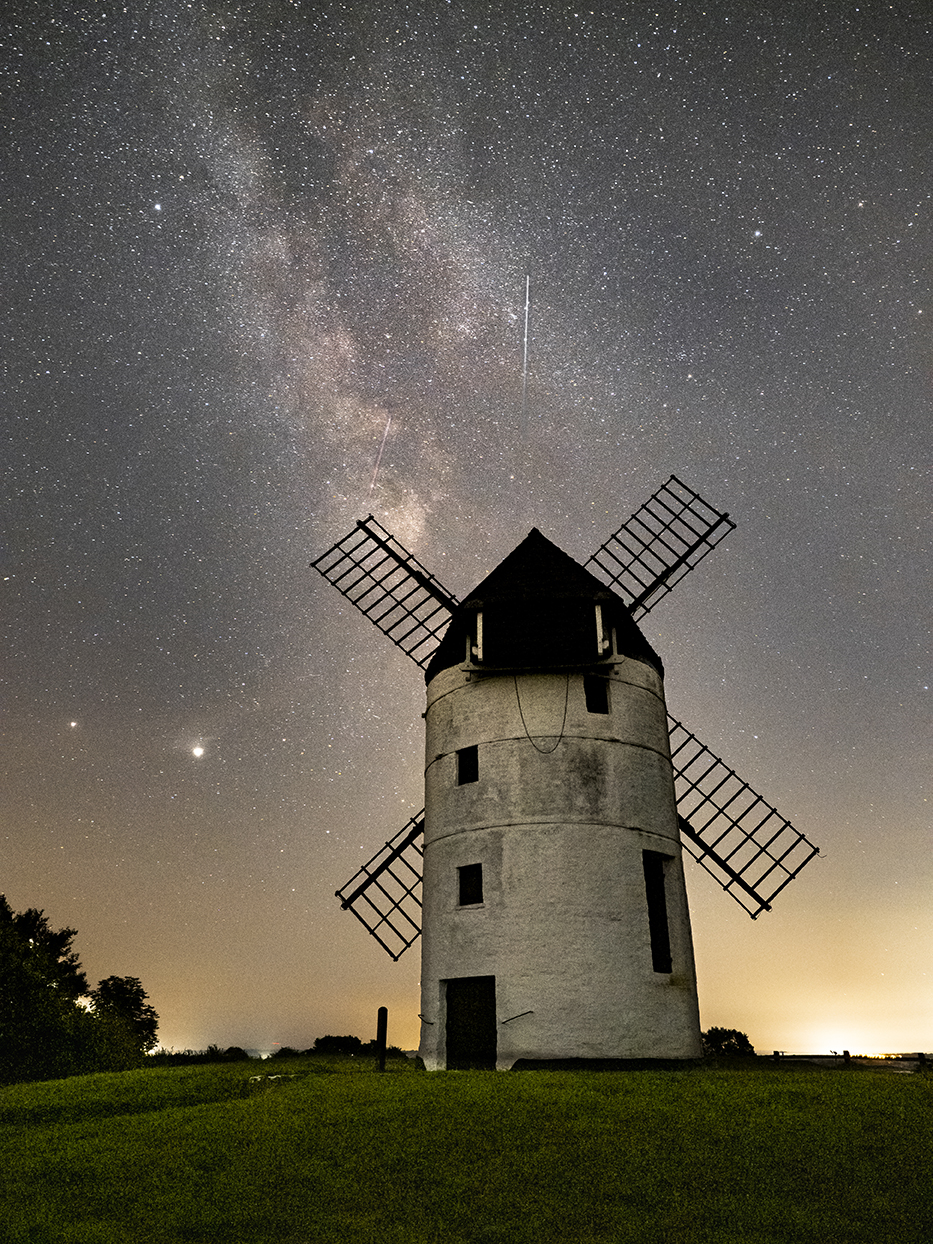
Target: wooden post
[382,1024]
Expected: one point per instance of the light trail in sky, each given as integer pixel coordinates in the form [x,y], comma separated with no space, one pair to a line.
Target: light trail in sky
[385,435]
[525,359]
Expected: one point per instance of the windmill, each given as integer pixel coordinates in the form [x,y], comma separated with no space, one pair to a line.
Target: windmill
[545,873]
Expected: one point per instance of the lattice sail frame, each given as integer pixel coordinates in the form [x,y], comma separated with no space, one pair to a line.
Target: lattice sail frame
[385,895]
[739,838]
[658,545]
[390,587]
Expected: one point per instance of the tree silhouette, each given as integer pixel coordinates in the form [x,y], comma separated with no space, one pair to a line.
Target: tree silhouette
[726,1041]
[43,1032]
[46,1029]
[47,951]
[122,1002]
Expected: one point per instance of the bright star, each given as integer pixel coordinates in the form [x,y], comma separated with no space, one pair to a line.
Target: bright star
[197,751]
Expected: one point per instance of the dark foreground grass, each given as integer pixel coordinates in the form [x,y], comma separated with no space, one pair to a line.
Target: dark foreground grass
[676,1157]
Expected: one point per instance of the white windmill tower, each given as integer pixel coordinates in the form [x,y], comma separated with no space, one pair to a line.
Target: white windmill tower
[558,793]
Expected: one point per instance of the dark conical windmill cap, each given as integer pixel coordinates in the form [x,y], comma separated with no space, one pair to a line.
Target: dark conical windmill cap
[533,575]
[536,569]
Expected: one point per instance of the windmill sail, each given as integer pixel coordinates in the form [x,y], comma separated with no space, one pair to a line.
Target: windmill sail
[658,545]
[390,587]
[742,841]
[385,895]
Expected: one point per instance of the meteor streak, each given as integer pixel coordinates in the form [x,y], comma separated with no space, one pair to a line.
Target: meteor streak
[372,482]
[525,363]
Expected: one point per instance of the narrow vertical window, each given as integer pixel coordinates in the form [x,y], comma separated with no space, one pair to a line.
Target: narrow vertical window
[654,865]
[603,636]
[476,646]
[596,690]
[470,884]
[467,765]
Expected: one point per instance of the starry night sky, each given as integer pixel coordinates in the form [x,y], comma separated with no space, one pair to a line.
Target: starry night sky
[246,244]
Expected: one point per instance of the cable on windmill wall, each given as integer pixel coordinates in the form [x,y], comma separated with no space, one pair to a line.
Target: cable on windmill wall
[545,751]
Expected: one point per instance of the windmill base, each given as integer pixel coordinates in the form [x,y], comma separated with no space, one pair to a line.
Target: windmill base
[604,1064]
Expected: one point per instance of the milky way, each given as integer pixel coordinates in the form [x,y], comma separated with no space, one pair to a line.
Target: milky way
[266,271]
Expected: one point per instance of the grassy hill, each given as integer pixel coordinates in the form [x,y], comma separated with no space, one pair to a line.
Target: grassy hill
[339,1153]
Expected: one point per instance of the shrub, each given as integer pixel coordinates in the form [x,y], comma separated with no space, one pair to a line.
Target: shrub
[337,1045]
[726,1041]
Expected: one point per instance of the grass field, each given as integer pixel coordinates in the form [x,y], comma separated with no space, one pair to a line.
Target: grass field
[340,1153]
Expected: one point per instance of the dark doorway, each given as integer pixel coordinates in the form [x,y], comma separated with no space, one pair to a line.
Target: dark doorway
[471,1023]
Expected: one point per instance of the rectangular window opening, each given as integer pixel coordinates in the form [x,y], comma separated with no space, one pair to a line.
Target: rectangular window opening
[470,884]
[655,866]
[596,690]
[467,765]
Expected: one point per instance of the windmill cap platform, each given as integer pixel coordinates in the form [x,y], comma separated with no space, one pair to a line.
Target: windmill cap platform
[538,611]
